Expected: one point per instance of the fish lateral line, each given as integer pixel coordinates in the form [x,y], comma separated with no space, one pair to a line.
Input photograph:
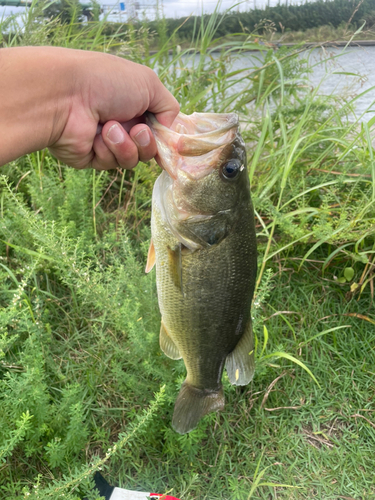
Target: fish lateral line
[204,234]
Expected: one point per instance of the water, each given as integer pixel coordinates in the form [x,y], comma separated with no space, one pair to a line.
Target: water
[357,60]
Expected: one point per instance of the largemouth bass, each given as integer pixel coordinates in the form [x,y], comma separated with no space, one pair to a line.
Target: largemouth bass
[204,247]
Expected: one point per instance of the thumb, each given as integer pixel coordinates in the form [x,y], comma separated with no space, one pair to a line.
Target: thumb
[163,104]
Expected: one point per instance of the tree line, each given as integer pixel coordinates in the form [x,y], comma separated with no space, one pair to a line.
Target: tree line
[285,17]
[282,17]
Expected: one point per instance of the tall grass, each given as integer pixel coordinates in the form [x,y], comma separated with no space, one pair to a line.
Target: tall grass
[83,384]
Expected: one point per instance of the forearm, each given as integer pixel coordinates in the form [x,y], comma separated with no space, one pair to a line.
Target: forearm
[36,85]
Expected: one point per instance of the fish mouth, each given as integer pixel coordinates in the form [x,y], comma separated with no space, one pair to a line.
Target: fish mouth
[195,143]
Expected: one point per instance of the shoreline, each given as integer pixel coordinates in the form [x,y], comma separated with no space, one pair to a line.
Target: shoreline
[339,43]
[307,45]
[311,45]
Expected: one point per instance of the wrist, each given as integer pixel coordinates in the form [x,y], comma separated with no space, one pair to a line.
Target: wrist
[35,88]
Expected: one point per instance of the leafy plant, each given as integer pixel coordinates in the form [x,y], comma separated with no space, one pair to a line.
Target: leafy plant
[79,356]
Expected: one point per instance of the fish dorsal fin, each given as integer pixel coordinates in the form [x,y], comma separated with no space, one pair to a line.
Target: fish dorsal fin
[240,362]
[175,262]
[151,257]
[167,345]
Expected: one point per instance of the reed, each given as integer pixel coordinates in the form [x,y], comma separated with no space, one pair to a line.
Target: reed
[80,367]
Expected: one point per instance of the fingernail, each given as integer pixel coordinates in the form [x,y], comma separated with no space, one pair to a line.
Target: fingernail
[142,138]
[115,134]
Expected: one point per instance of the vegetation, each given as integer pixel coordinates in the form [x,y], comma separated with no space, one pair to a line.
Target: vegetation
[286,16]
[83,384]
[325,34]
[309,21]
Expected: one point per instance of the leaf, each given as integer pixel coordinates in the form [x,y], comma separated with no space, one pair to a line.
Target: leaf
[275,485]
[360,316]
[349,273]
[285,355]
[258,477]
[265,333]
[335,252]
[28,251]
[259,149]
[321,241]
[346,73]
[324,333]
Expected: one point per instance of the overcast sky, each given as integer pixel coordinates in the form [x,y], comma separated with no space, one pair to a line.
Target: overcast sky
[172,8]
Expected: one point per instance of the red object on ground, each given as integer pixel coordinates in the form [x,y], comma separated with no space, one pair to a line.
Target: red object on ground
[122,494]
[162,497]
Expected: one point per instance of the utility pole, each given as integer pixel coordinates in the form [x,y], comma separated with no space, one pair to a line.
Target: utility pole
[158,10]
[132,13]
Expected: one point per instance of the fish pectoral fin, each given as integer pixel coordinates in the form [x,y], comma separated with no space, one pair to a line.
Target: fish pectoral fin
[175,261]
[240,362]
[192,404]
[167,345]
[151,257]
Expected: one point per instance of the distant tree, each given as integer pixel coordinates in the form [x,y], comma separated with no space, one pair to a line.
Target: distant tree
[290,17]
[73,10]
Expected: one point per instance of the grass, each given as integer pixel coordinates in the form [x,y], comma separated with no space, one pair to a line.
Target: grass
[83,384]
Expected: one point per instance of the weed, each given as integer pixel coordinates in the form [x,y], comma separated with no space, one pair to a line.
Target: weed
[79,358]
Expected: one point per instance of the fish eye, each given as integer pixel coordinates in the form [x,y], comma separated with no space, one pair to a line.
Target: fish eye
[231,169]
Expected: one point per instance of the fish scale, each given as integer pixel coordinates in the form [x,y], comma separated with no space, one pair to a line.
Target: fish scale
[216,278]
[204,247]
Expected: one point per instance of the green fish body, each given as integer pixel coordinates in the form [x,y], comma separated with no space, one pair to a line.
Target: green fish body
[204,247]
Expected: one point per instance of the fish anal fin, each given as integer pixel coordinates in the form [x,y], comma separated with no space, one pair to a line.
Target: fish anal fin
[192,404]
[175,263]
[240,362]
[151,257]
[167,345]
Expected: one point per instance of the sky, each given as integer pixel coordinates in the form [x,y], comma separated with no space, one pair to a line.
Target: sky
[182,8]
[172,8]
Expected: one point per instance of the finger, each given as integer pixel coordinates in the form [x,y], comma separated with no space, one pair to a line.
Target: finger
[167,117]
[162,103]
[145,141]
[134,121]
[104,159]
[79,160]
[120,144]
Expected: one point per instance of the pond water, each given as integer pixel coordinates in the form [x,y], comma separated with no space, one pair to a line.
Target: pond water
[357,60]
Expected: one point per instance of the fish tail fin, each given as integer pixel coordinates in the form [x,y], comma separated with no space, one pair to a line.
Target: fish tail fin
[192,404]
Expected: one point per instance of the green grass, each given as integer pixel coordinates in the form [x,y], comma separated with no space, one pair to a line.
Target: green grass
[320,35]
[83,383]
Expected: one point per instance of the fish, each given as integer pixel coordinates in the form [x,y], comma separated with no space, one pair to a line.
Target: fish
[203,245]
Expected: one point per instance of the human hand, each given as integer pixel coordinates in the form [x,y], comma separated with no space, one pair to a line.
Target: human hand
[105,127]
[86,107]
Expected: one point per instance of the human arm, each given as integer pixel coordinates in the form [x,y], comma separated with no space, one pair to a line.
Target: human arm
[60,98]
